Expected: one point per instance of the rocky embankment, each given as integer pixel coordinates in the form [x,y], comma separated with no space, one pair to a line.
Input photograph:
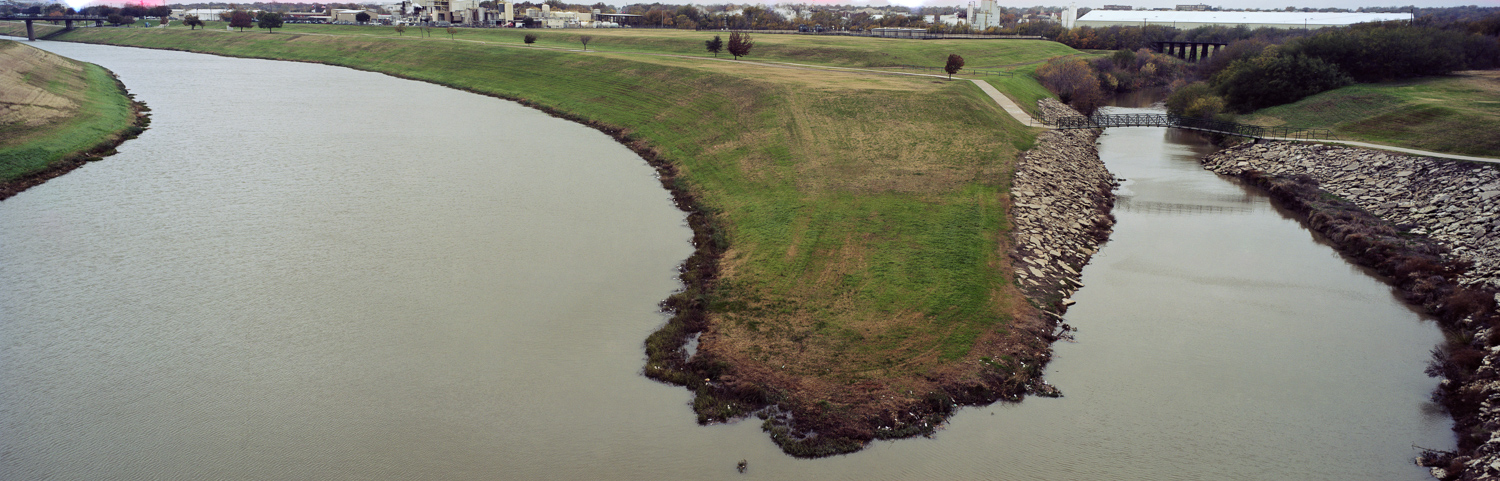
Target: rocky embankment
[1432,227]
[1062,196]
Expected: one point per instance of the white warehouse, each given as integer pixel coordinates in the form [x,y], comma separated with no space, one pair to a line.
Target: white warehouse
[1188,20]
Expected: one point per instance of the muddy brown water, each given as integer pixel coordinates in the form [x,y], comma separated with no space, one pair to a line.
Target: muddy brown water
[306,272]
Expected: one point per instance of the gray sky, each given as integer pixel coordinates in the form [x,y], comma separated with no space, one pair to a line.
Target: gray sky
[1146,3]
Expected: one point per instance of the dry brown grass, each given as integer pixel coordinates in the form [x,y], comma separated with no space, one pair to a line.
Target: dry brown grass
[36,88]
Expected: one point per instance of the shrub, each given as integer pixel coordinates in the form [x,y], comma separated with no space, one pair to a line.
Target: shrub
[1270,80]
[1074,82]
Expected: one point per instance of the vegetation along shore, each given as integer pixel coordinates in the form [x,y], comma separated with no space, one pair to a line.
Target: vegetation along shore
[57,114]
[852,279]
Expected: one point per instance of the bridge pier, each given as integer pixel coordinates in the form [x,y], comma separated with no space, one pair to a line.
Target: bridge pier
[67,24]
[30,31]
[98,23]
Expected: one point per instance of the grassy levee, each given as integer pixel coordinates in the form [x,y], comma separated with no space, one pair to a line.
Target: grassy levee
[1454,114]
[808,49]
[851,228]
[57,114]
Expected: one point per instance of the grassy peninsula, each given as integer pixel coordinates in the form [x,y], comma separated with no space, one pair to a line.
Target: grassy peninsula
[1458,113]
[55,114]
[851,271]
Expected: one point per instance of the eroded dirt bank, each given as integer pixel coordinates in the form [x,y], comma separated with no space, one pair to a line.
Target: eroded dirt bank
[1432,227]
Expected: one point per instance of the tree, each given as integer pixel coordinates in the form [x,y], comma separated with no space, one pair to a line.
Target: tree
[192,22]
[240,19]
[451,32]
[585,39]
[362,17]
[270,20]
[401,30]
[739,44]
[955,63]
[714,46]
[530,38]
[1074,81]
[160,12]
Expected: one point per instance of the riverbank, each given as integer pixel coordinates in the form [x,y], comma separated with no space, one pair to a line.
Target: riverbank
[1429,226]
[57,114]
[1062,197]
[1451,114]
[849,275]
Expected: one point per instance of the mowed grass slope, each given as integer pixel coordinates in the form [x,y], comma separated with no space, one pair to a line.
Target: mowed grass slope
[1455,114]
[863,214]
[52,107]
[809,49]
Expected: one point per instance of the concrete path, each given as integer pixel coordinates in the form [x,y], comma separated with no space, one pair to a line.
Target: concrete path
[1005,103]
[1403,150]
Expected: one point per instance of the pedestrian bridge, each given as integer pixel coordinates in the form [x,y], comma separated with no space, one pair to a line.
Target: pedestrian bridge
[1103,121]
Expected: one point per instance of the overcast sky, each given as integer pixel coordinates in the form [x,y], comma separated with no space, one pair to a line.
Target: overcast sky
[1172,3]
[1007,3]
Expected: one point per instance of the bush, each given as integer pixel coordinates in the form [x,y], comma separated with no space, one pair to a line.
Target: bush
[1075,83]
[1270,80]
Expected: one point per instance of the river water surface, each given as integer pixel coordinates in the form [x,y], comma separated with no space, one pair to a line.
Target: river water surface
[307,272]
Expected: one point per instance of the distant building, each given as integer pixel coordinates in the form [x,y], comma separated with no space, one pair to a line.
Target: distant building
[1117,7]
[1186,20]
[1193,8]
[899,32]
[347,15]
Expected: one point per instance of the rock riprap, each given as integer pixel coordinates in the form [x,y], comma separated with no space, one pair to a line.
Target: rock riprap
[1061,199]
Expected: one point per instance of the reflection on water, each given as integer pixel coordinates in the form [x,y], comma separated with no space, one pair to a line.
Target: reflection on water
[330,283]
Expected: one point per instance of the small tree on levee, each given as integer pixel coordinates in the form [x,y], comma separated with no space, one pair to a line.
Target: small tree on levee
[714,46]
[739,44]
[955,63]
[270,20]
[192,22]
[241,19]
[530,38]
[586,39]
[362,17]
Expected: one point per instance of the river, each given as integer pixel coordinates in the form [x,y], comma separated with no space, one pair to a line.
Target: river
[308,272]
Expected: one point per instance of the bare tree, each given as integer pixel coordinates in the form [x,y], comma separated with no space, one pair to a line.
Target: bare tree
[586,39]
[451,31]
[401,30]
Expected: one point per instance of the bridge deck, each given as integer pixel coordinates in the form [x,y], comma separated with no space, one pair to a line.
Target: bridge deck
[1102,121]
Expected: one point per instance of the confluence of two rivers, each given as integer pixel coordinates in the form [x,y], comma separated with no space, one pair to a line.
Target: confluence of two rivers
[309,272]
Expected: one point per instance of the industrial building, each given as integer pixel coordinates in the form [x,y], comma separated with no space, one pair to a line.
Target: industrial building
[1192,19]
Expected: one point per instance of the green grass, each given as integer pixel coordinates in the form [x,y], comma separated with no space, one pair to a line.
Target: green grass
[811,49]
[862,212]
[1455,114]
[102,112]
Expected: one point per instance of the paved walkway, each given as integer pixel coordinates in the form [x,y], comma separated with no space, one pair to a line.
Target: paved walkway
[1005,103]
[1403,150]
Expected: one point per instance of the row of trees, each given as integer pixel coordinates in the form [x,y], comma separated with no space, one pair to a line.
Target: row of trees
[1085,85]
[739,45]
[1255,73]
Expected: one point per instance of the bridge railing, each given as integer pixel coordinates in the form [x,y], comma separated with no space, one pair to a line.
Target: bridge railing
[1101,121]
